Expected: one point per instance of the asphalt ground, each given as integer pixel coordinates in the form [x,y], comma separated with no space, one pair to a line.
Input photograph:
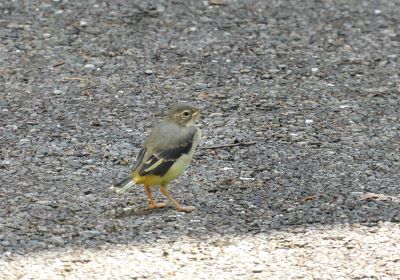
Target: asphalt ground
[312,85]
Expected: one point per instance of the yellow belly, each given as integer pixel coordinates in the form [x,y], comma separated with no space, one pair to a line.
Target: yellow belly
[150,180]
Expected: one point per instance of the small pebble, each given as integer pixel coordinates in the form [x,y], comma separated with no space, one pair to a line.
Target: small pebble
[227,168]
[89,66]
[246,179]
[12,126]
[83,23]
[57,240]
[57,91]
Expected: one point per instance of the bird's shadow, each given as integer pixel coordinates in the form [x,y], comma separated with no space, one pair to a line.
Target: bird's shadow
[140,211]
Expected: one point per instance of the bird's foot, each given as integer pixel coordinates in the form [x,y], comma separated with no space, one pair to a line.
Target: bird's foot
[156,205]
[185,209]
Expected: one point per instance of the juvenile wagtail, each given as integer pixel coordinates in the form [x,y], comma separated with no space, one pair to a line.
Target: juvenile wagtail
[165,154]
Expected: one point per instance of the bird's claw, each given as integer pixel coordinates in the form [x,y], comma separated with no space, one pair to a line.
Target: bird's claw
[185,209]
[157,205]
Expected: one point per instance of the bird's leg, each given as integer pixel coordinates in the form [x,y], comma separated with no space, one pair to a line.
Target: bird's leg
[179,207]
[152,203]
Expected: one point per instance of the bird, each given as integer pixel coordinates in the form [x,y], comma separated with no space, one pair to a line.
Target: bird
[165,155]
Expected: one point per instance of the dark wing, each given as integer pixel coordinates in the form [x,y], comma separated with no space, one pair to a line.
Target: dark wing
[139,158]
[160,162]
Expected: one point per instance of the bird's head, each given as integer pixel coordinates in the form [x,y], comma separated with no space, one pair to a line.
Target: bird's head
[184,114]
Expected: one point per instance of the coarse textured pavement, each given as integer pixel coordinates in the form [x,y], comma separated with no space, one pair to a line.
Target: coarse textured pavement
[315,84]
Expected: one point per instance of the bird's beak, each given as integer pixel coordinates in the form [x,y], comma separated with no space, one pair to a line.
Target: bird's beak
[198,111]
[196,114]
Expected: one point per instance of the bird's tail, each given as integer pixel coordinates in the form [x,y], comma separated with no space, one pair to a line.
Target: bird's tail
[123,186]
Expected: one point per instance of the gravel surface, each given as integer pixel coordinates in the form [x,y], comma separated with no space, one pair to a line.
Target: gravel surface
[314,84]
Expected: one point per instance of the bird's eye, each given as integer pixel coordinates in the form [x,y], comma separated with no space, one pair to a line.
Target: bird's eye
[186,113]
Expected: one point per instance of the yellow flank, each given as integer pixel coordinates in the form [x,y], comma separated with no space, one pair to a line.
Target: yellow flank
[150,180]
[175,170]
